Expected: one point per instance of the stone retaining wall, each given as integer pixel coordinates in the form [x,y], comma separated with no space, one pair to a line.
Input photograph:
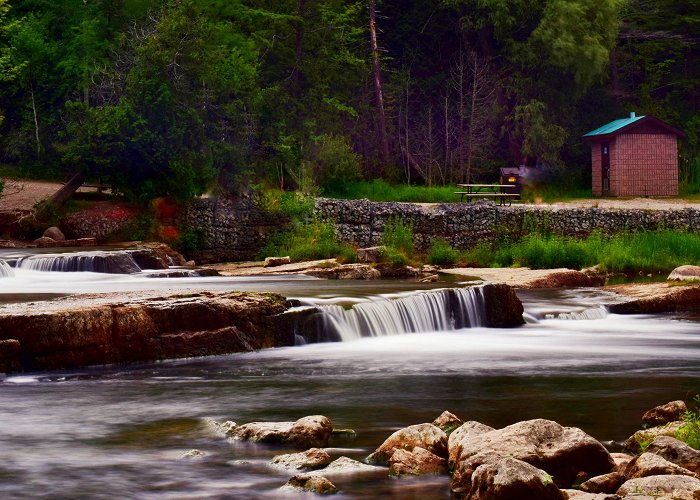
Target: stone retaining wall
[362,222]
[237,231]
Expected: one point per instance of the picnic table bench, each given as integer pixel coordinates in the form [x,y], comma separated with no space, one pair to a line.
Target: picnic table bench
[479,191]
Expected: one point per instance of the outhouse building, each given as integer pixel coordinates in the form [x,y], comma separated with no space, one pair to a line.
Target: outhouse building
[635,156]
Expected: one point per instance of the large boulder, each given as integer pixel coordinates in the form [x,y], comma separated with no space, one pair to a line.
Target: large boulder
[312,483]
[683,273]
[54,233]
[426,436]
[276,261]
[369,255]
[503,307]
[512,479]
[649,464]
[314,458]
[670,412]
[677,487]
[311,431]
[416,462]
[645,436]
[561,451]
[464,432]
[677,452]
[621,460]
[448,422]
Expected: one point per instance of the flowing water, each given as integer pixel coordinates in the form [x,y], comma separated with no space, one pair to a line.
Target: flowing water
[113,432]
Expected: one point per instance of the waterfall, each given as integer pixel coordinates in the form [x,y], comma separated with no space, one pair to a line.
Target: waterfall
[599,312]
[439,310]
[5,270]
[97,262]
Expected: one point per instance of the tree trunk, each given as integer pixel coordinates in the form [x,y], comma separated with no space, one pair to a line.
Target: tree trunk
[377,75]
[36,123]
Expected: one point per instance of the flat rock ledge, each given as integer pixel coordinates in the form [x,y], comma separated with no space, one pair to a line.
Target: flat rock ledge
[655,298]
[97,329]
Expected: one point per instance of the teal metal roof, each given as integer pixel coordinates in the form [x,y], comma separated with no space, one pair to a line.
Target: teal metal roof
[614,126]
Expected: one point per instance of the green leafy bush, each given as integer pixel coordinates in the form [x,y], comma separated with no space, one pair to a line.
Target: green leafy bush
[309,240]
[337,163]
[442,254]
[398,234]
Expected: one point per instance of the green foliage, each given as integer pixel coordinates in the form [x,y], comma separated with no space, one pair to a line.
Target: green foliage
[381,190]
[398,234]
[311,240]
[290,203]
[442,254]
[190,241]
[397,241]
[645,251]
[689,432]
[336,162]
[480,255]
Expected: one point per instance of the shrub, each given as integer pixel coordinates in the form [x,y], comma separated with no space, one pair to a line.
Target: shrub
[310,240]
[293,204]
[441,253]
[398,234]
[337,163]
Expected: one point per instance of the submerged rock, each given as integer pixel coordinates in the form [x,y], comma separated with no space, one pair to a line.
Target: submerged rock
[193,454]
[311,431]
[664,414]
[345,465]
[310,482]
[426,436]
[315,458]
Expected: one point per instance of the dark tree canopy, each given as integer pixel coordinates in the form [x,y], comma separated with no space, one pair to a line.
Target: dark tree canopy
[173,97]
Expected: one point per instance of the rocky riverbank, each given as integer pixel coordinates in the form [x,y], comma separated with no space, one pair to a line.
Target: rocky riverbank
[529,460]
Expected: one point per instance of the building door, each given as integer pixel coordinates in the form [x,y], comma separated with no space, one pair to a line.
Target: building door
[605,151]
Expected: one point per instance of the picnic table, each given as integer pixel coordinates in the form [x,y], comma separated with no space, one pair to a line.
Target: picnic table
[480,191]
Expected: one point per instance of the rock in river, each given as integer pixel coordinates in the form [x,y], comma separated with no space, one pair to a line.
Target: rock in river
[307,432]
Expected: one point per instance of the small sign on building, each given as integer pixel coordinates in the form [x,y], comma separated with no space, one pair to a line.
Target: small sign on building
[635,156]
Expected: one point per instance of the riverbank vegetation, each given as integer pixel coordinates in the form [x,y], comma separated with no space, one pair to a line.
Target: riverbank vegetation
[326,96]
[626,252]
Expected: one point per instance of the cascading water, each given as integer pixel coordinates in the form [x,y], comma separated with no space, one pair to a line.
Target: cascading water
[599,312]
[5,270]
[97,262]
[440,310]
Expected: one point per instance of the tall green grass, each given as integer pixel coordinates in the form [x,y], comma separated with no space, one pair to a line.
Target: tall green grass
[380,190]
[308,240]
[647,251]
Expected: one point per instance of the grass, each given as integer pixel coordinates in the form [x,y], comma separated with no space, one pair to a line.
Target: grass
[627,252]
[397,241]
[380,190]
[308,240]
[645,251]
[689,433]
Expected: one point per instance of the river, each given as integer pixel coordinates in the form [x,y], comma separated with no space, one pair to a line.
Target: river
[112,432]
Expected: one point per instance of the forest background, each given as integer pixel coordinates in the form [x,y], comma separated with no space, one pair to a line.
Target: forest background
[179,97]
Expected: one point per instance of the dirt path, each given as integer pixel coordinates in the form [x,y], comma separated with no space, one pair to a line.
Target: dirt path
[24,195]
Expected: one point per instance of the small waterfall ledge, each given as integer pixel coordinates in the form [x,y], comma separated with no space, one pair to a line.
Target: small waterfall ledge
[442,310]
[5,270]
